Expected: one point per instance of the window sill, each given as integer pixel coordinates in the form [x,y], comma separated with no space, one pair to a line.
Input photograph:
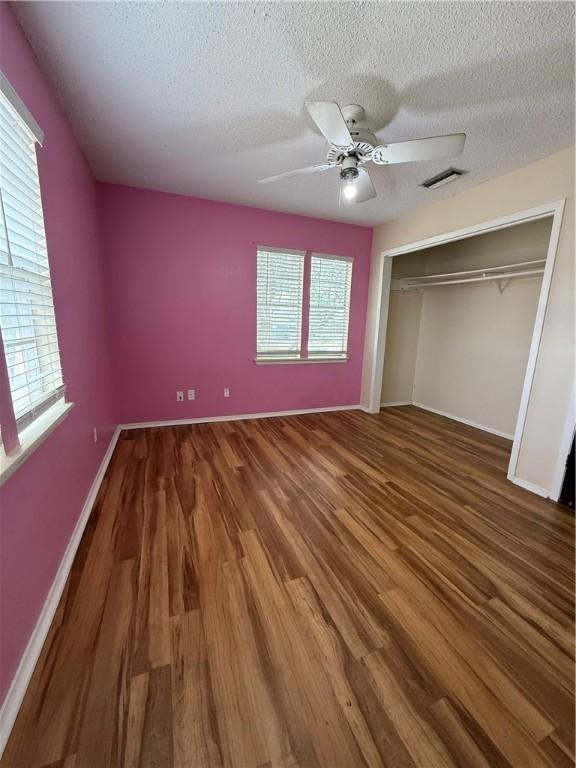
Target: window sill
[32,437]
[298,360]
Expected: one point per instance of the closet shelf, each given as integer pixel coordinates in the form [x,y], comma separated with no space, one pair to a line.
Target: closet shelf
[497,275]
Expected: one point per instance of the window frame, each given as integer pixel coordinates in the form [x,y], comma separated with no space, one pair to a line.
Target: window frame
[20,437]
[302,357]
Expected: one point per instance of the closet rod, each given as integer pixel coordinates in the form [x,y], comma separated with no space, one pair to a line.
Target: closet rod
[475,271]
[479,279]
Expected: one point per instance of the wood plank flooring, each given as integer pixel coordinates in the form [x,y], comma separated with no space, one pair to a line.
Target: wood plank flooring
[328,590]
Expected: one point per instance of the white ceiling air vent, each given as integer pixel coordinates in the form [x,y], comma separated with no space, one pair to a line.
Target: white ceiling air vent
[450,174]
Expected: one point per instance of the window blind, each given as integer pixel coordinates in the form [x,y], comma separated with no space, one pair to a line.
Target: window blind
[330,282]
[26,306]
[279,303]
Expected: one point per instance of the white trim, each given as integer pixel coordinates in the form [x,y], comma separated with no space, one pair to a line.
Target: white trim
[17,690]
[565,446]
[237,417]
[396,403]
[384,272]
[298,360]
[374,371]
[536,338]
[474,424]
[31,437]
[31,415]
[273,249]
[10,93]
[532,487]
[503,222]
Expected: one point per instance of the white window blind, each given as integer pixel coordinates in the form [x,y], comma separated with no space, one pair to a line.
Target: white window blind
[330,282]
[26,306]
[279,303]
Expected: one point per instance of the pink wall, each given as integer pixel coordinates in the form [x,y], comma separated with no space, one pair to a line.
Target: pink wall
[41,502]
[174,278]
[182,276]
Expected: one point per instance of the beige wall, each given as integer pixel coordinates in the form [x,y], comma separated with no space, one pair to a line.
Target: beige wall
[401,346]
[522,242]
[544,181]
[473,348]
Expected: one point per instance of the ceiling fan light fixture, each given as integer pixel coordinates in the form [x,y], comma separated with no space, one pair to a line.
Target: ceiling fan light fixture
[349,189]
[349,173]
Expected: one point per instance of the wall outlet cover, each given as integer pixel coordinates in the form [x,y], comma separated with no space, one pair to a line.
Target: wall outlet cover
[180,396]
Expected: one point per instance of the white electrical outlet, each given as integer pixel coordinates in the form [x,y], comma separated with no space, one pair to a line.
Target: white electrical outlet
[95,435]
[226,392]
[191,394]
[180,395]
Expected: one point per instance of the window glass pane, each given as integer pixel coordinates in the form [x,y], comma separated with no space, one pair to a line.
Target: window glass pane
[330,283]
[26,306]
[279,303]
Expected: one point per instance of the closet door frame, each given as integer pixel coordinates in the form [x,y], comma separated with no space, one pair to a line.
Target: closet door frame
[377,321]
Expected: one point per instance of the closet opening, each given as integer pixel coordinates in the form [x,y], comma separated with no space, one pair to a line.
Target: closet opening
[460,323]
[461,318]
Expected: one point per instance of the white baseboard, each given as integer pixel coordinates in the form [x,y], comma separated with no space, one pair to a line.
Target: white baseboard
[239,417]
[19,684]
[396,403]
[469,423]
[532,487]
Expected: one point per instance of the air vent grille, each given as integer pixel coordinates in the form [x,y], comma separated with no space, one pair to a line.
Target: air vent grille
[450,174]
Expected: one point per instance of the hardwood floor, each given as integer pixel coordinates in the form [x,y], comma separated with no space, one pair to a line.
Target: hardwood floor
[335,589]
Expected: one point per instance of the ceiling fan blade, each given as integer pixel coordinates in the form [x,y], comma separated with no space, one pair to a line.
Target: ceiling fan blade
[434,148]
[297,172]
[330,120]
[364,187]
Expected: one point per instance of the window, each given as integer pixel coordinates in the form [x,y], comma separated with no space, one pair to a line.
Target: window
[330,282]
[279,303]
[27,320]
[303,306]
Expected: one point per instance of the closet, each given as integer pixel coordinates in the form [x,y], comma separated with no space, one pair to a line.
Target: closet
[460,324]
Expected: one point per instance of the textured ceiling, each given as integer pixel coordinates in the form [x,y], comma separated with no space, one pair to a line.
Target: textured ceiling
[205,98]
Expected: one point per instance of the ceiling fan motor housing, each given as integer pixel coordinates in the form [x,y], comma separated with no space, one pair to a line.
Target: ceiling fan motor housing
[358,126]
[363,138]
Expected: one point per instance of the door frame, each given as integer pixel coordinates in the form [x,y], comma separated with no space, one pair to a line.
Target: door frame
[382,271]
[565,446]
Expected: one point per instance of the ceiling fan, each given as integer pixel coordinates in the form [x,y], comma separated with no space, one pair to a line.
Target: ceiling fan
[352,145]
